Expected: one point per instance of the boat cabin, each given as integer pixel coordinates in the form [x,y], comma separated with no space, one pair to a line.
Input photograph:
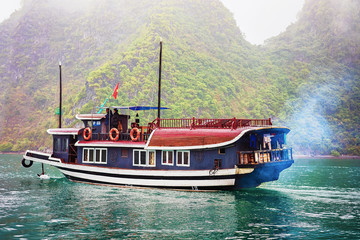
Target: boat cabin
[64,140]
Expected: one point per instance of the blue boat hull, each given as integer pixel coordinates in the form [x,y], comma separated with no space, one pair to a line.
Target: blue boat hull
[265,172]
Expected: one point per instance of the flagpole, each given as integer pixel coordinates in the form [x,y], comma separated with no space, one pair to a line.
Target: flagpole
[159,93]
[109,116]
[60,100]
[101,107]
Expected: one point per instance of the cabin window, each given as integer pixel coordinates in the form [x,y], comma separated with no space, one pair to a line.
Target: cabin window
[221,150]
[91,155]
[152,158]
[88,124]
[104,156]
[65,145]
[167,158]
[85,155]
[61,144]
[95,155]
[144,158]
[183,158]
[57,144]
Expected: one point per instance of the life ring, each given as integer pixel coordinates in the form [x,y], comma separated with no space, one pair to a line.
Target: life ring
[132,134]
[111,134]
[26,165]
[87,133]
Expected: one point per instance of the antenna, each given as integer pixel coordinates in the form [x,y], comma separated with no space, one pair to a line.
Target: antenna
[159,96]
[60,100]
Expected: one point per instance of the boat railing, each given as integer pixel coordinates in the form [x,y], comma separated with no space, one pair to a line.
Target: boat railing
[193,123]
[263,156]
[122,137]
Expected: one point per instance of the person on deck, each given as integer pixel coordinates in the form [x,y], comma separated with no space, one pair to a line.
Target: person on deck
[108,117]
[115,119]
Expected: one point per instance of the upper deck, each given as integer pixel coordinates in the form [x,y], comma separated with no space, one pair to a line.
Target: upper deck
[207,123]
[217,128]
[176,133]
[204,133]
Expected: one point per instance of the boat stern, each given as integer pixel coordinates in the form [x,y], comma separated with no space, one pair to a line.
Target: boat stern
[260,173]
[34,156]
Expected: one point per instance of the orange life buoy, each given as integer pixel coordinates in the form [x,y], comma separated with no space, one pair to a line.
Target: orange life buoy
[137,134]
[111,134]
[87,133]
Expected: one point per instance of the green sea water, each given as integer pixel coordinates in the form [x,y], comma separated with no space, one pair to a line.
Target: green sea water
[314,199]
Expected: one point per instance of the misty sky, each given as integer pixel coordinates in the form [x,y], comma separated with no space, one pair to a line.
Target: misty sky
[7,7]
[262,19]
[257,19]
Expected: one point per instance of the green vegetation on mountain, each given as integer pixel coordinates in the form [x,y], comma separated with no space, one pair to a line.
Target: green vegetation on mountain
[320,55]
[306,78]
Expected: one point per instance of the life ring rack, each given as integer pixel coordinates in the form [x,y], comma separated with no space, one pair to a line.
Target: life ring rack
[87,133]
[134,139]
[116,136]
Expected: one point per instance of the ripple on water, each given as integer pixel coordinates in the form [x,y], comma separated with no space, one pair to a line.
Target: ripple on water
[347,217]
[294,207]
[326,195]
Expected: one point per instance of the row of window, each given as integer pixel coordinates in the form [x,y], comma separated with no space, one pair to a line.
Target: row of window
[183,158]
[144,158]
[147,158]
[95,155]
[140,157]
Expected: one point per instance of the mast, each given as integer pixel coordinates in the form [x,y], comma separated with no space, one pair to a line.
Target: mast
[159,94]
[60,100]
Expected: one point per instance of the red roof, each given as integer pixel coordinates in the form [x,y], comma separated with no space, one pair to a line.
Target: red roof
[175,138]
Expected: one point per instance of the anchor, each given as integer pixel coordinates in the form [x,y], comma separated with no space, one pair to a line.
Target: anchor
[43,175]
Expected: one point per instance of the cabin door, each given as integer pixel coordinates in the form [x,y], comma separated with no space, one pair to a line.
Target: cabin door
[72,151]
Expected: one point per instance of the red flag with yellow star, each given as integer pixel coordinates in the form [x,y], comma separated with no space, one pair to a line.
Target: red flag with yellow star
[116,91]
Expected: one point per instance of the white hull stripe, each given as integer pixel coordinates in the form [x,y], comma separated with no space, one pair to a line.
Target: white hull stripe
[152,177]
[87,177]
[155,173]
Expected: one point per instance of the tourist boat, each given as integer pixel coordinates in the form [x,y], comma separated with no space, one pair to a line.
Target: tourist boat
[198,154]
[189,153]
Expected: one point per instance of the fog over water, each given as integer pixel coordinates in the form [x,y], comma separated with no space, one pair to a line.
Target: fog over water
[309,127]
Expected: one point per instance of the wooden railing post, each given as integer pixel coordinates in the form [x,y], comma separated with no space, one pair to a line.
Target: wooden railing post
[192,124]
[233,127]
[158,122]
